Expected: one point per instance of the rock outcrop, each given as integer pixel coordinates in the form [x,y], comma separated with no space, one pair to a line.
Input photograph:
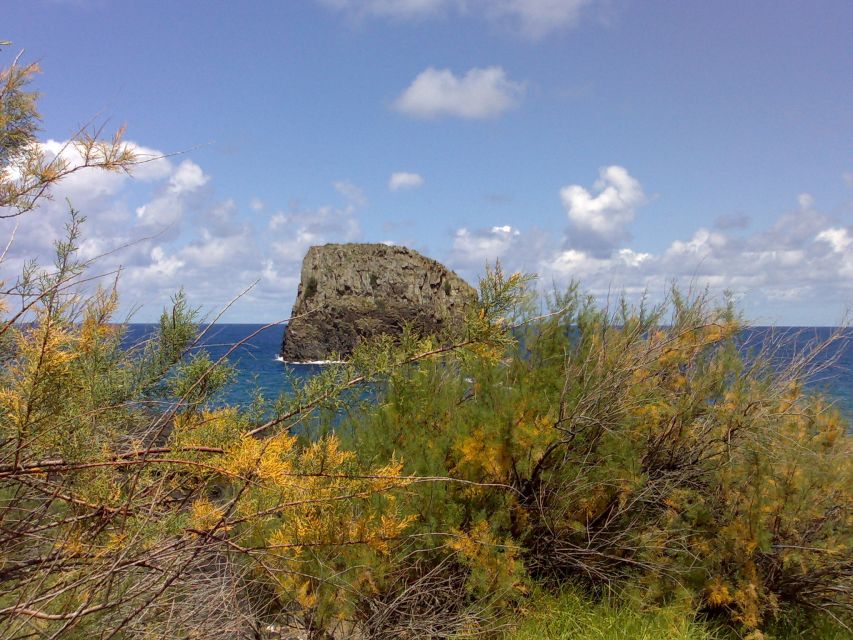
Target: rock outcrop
[349,292]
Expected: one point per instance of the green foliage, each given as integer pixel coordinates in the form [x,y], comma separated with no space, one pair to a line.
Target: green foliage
[636,448]
[19,119]
[177,329]
[310,287]
[424,487]
[573,616]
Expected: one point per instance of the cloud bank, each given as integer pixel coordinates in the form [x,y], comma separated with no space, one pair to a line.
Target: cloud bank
[803,263]
[167,228]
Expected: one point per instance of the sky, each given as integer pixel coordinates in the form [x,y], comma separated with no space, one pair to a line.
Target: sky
[627,145]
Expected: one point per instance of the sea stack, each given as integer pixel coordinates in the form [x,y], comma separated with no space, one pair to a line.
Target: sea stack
[349,292]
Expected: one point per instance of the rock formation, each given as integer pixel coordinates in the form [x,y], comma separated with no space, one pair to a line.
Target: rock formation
[349,292]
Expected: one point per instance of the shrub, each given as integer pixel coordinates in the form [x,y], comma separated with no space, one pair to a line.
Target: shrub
[310,287]
[632,448]
[639,449]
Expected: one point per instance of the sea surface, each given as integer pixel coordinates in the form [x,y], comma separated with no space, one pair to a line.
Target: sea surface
[258,365]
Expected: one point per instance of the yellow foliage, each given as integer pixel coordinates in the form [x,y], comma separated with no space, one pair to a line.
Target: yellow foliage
[204,515]
[717,593]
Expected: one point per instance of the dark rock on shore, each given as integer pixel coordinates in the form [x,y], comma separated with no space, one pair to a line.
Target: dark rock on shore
[349,292]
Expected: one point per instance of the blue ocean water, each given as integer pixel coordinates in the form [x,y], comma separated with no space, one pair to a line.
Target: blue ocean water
[258,366]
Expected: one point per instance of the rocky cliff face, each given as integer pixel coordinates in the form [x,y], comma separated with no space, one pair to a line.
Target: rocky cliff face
[353,291]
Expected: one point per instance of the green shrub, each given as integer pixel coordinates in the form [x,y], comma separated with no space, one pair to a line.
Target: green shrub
[637,448]
[310,287]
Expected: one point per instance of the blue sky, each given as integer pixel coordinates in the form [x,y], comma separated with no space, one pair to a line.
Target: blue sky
[624,143]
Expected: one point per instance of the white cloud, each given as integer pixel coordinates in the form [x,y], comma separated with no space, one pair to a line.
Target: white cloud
[573,263]
[700,246]
[633,259]
[276,281]
[838,238]
[171,232]
[221,219]
[479,94]
[530,18]
[803,263]
[188,177]
[536,18]
[606,213]
[256,204]
[353,194]
[477,248]
[277,221]
[162,265]
[798,265]
[211,251]
[88,185]
[151,164]
[305,228]
[404,180]
[169,206]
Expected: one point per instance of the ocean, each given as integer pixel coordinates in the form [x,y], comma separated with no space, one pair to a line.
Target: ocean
[258,366]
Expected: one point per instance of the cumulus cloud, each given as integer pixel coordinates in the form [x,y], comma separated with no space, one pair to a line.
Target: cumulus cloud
[188,177]
[839,239]
[404,180]
[477,248]
[86,186]
[700,246]
[97,194]
[529,18]
[803,261]
[800,264]
[210,251]
[303,228]
[169,205]
[479,94]
[796,261]
[162,229]
[155,276]
[603,216]
[599,217]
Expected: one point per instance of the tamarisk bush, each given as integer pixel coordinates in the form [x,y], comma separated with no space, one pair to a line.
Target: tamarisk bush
[644,449]
[419,490]
[122,494]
